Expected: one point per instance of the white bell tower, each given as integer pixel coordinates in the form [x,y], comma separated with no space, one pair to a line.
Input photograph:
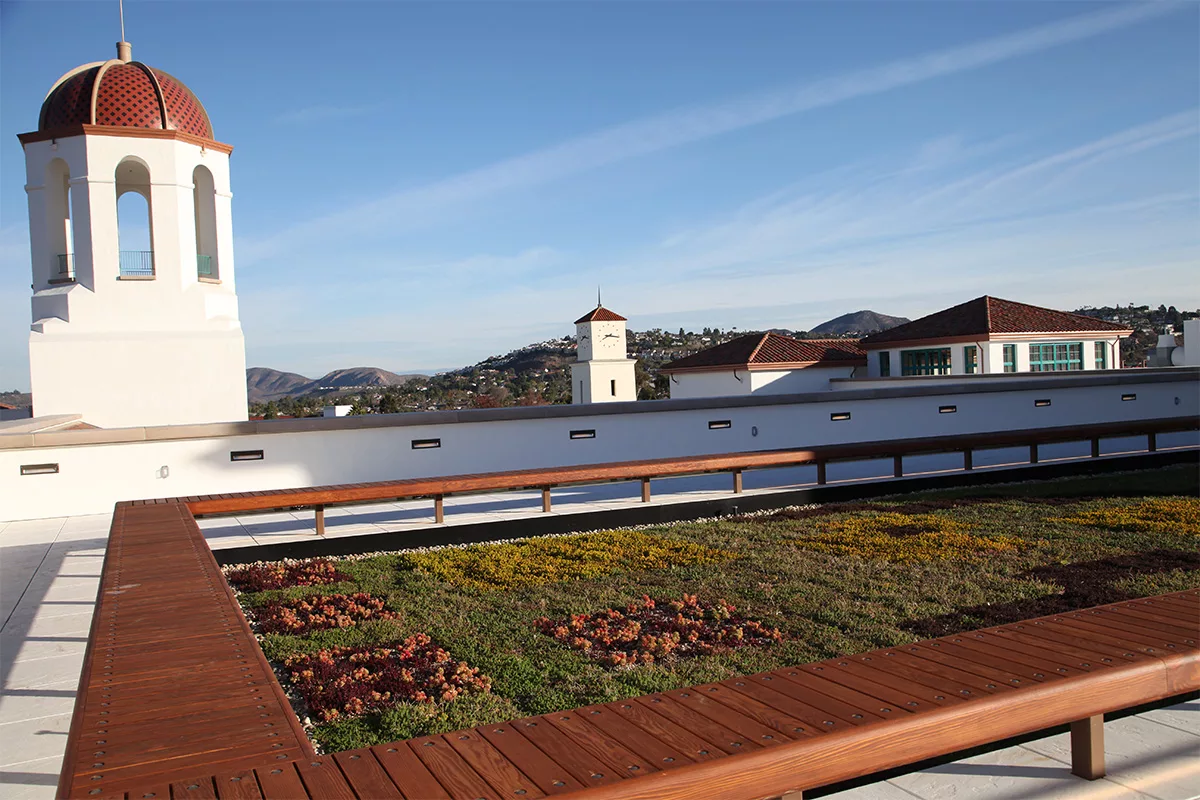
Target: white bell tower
[135,322]
[603,371]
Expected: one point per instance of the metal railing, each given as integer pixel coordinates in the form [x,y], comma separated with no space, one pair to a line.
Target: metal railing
[66,267]
[137,263]
[204,266]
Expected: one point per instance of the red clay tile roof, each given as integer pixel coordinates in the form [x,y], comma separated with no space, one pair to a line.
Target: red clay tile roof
[130,95]
[764,349]
[987,315]
[601,314]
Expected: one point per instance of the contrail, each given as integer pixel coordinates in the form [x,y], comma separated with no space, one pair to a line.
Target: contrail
[681,126]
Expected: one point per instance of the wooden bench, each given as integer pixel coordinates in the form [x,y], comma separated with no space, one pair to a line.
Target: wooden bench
[176,700]
[318,497]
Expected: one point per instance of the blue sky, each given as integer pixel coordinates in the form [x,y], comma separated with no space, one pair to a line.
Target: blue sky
[420,185]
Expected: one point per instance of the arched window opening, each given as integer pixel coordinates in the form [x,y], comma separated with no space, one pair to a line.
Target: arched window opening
[204,200]
[134,221]
[58,222]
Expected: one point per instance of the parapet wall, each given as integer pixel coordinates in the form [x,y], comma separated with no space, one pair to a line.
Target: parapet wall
[87,471]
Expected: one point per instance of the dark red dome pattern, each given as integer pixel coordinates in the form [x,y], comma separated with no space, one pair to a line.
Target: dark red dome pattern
[131,95]
[70,102]
[183,109]
[128,98]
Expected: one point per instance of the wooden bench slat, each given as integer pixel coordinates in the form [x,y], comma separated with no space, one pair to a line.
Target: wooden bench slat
[550,777]
[366,775]
[587,768]
[620,760]
[748,728]
[491,765]
[281,782]
[408,772]
[657,751]
[322,778]
[996,673]
[238,785]
[451,771]
[200,788]
[1140,636]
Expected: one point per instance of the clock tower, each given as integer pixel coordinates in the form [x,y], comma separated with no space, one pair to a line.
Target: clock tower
[603,371]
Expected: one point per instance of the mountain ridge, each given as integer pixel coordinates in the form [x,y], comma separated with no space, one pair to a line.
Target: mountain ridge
[264,383]
[858,322]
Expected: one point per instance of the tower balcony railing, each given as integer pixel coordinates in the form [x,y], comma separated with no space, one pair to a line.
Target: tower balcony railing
[204,266]
[64,268]
[137,263]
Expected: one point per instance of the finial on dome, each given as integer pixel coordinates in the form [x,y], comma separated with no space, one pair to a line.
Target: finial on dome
[597,295]
[124,48]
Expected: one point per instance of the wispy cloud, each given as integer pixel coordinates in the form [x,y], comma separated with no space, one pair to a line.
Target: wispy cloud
[848,238]
[321,113]
[681,126]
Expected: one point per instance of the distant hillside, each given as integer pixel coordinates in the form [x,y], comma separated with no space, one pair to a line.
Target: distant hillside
[263,383]
[858,322]
[15,398]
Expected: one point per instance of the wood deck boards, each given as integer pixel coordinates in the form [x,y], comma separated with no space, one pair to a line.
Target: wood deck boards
[173,679]
[176,700]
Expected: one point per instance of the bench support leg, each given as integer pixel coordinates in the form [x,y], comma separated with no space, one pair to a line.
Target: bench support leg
[439,509]
[1033,454]
[1096,447]
[546,499]
[737,481]
[820,473]
[1087,748]
[320,514]
[897,466]
[1152,442]
[968,459]
[645,490]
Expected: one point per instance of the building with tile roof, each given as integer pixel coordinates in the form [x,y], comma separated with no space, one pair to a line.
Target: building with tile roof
[992,335]
[764,363]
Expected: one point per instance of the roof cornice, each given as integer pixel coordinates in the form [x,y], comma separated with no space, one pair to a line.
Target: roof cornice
[68,131]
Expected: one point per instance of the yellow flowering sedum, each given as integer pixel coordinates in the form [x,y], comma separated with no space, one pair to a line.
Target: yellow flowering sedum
[538,561]
[902,538]
[1153,515]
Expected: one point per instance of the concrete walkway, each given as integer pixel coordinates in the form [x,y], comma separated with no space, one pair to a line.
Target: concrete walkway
[50,571]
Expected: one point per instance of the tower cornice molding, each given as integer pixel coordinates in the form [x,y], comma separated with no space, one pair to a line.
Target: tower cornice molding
[112,130]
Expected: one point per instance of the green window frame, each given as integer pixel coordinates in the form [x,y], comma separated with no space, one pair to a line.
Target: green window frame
[971,359]
[925,362]
[885,364]
[1055,356]
[1010,358]
[1101,355]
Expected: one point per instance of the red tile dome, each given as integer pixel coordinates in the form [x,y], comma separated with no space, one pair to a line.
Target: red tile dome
[123,94]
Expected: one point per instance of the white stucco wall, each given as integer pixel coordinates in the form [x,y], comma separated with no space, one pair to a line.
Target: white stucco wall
[739,383]
[593,381]
[793,381]
[94,474]
[727,383]
[127,352]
